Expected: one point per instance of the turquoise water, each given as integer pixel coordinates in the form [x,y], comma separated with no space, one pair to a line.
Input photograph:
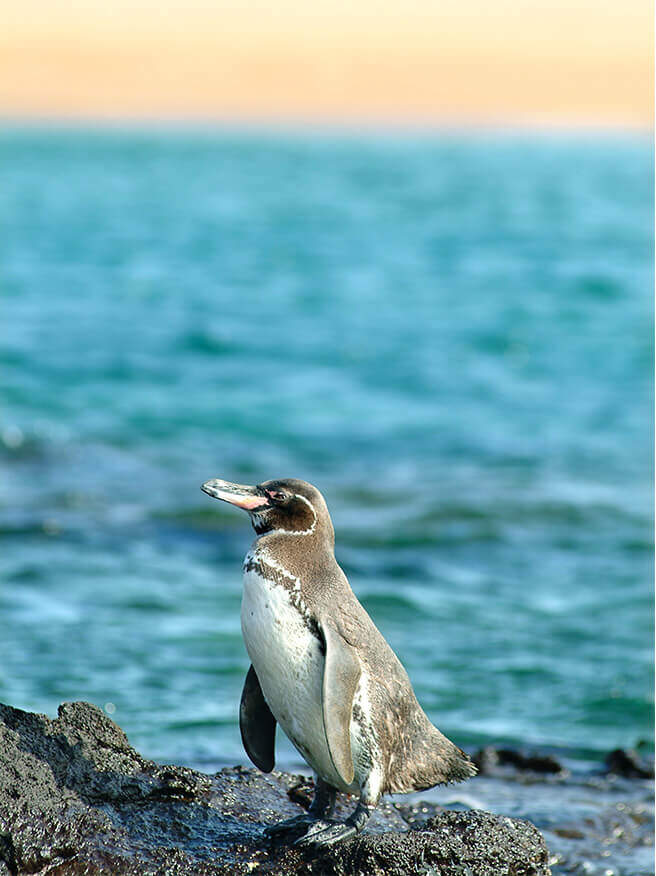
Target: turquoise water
[449,336]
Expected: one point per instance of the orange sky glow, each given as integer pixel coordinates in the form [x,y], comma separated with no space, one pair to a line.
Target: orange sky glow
[535,62]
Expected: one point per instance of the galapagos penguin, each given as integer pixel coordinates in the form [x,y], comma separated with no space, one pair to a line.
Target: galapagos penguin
[322,670]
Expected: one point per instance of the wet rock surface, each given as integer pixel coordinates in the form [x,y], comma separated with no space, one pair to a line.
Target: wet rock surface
[596,822]
[76,798]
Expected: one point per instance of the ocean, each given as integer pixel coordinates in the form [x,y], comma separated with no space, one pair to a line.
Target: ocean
[449,334]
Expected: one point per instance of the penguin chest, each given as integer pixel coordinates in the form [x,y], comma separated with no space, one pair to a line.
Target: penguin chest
[287,658]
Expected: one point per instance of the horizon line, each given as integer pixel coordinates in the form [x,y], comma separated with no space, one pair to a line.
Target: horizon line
[299,123]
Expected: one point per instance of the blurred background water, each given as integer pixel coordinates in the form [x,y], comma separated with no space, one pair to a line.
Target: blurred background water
[449,335]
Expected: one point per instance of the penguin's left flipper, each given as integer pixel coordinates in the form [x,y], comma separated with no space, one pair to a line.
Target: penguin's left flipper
[257,724]
[341,675]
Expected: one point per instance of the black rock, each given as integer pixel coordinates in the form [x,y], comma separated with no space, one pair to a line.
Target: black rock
[490,760]
[627,762]
[76,798]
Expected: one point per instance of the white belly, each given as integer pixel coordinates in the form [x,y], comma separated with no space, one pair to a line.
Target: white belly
[289,665]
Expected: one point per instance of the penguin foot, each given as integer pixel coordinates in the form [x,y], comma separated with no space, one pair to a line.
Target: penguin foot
[320,808]
[326,833]
[291,825]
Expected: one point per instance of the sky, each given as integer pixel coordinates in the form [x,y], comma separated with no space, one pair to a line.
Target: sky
[525,62]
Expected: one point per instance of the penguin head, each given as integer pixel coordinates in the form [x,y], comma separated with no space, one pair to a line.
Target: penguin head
[284,505]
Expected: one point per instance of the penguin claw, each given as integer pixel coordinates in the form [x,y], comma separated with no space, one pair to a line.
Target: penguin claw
[325,834]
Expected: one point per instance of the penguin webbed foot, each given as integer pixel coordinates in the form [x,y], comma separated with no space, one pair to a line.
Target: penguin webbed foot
[291,825]
[326,833]
[320,808]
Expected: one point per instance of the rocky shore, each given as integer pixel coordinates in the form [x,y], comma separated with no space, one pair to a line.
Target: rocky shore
[76,798]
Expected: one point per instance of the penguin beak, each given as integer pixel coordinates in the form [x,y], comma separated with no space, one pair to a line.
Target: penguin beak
[248,498]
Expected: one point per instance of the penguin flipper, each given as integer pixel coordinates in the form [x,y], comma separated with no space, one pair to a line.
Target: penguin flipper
[340,679]
[257,724]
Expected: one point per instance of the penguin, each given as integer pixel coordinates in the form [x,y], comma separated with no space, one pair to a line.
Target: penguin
[322,671]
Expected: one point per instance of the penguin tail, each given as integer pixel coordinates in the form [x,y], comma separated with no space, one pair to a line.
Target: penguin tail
[462,766]
[434,761]
[451,764]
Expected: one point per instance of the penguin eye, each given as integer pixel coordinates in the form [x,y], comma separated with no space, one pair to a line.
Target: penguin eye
[277,495]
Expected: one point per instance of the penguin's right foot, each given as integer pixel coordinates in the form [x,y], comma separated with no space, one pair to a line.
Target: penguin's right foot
[298,824]
[326,833]
[310,821]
